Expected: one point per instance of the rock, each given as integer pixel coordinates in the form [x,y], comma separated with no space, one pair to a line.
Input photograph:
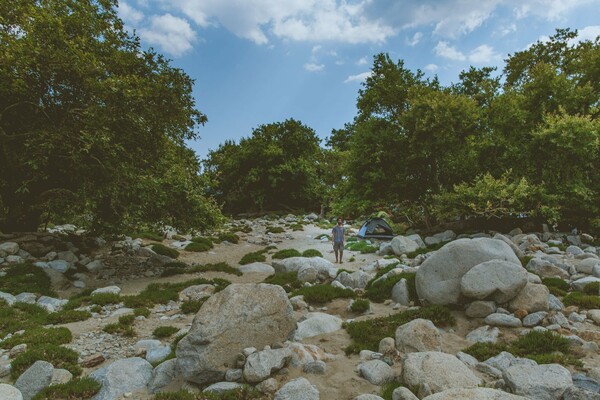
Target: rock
[308,273]
[234,375]
[504,360]
[540,382]
[368,397]
[240,316]
[577,393]
[257,268]
[579,284]
[316,324]
[480,309]
[260,365]
[484,334]
[60,376]
[92,361]
[67,256]
[51,304]
[35,379]
[440,371]
[518,252]
[531,299]
[61,266]
[417,239]
[438,279]
[546,269]
[497,280]
[26,297]
[355,280]
[122,376]
[315,367]
[95,265]
[222,387]
[8,392]
[400,293]
[268,386]
[498,319]
[163,375]
[587,266]
[8,298]
[584,382]
[403,245]
[303,354]
[387,345]
[474,394]
[574,250]
[157,354]
[376,372]
[297,389]
[418,335]
[554,303]
[196,292]
[10,248]
[325,269]
[534,318]
[107,289]
[402,393]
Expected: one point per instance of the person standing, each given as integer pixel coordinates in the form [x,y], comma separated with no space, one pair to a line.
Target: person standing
[337,237]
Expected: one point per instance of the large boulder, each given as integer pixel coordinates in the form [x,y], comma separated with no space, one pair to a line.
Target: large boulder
[440,371]
[540,382]
[532,298]
[403,245]
[240,316]
[122,376]
[325,269]
[8,392]
[316,324]
[298,389]
[439,278]
[474,394]
[546,269]
[35,379]
[418,335]
[377,372]
[497,280]
[163,375]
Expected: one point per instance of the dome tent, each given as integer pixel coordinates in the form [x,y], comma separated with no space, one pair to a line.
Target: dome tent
[376,228]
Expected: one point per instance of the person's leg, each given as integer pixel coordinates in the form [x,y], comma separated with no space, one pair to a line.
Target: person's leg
[335,250]
[341,253]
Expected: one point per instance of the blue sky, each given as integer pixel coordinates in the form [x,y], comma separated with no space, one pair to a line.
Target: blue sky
[262,61]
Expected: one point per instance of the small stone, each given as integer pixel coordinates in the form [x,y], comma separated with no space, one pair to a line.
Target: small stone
[92,361]
[315,367]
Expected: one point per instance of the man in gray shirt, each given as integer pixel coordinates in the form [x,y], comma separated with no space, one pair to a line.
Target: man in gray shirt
[337,237]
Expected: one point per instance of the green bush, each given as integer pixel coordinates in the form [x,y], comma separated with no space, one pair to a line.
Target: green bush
[297,227]
[67,316]
[311,253]
[287,280]
[323,293]
[119,329]
[141,311]
[583,300]
[162,293]
[366,335]
[127,319]
[219,267]
[165,251]
[26,277]
[388,388]
[381,290]
[556,283]
[360,306]
[58,356]
[192,306]
[229,237]
[484,351]
[245,393]
[164,331]
[257,256]
[592,288]
[286,253]
[275,229]
[75,389]
[40,335]
[361,246]
[157,237]
[20,316]
[198,247]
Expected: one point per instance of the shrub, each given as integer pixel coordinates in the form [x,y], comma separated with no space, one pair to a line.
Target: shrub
[323,293]
[388,388]
[40,336]
[286,253]
[191,306]
[165,251]
[157,237]
[582,300]
[127,319]
[257,256]
[297,227]
[59,356]
[164,331]
[360,306]
[361,246]
[311,253]
[275,229]
[20,316]
[141,311]
[229,237]
[199,244]
[67,316]
[120,329]
[525,260]
[76,389]
[556,283]
[592,288]
[287,280]
[483,351]
[26,277]
[219,267]
[245,393]
[381,290]
[366,335]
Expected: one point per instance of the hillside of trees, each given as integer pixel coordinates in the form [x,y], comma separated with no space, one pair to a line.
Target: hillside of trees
[93,131]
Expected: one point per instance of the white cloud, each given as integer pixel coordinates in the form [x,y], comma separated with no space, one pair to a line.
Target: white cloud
[172,34]
[316,48]
[358,78]
[431,68]
[505,30]
[484,54]
[415,39]
[551,10]
[129,14]
[362,61]
[588,33]
[312,67]
[443,49]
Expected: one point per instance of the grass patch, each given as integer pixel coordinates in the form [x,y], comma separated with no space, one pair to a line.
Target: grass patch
[275,229]
[360,306]
[26,277]
[198,247]
[297,227]
[20,316]
[256,256]
[246,393]
[192,306]
[381,290]
[361,246]
[583,300]
[123,327]
[150,235]
[59,356]
[366,335]
[218,267]
[67,316]
[312,253]
[100,299]
[286,253]
[557,283]
[323,293]
[174,268]
[525,260]
[287,280]
[76,389]
[325,236]
[592,288]
[229,237]
[141,311]
[388,389]
[40,335]
[165,251]
[164,331]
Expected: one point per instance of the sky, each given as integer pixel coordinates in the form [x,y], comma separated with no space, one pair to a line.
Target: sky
[261,61]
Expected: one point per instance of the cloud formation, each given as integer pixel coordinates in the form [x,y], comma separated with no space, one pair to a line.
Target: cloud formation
[358,77]
[312,67]
[172,34]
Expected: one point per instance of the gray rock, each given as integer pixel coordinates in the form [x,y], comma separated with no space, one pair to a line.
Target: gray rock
[196,292]
[543,382]
[587,383]
[488,370]
[9,248]
[498,280]
[240,316]
[61,266]
[498,319]
[122,376]
[325,269]
[147,344]
[577,393]
[26,297]
[474,394]
[531,299]
[402,393]
[579,284]
[484,334]
[163,375]
[376,372]
[534,319]
[587,266]
[403,245]
[35,379]
[257,268]
[268,386]
[94,266]
[559,319]
[222,387]
[438,279]
[297,389]
[8,392]
[60,376]
[518,252]
[480,309]
[51,304]
[308,273]
[546,269]
[260,365]
[440,371]
[504,360]
[8,298]
[574,250]
[418,335]
[554,303]
[315,367]
[387,345]
[157,354]
[317,324]
[368,397]
[107,289]
[400,293]
[468,359]
[417,239]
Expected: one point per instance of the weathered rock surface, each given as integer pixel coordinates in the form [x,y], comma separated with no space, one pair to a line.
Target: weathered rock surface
[376,371]
[8,392]
[324,268]
[316,324]
[260,365]
[122,376]
[532,298]
[418,335]
[297,389]
[474,394]
[497,280]
[163,375]
[403,245]
[540,382]
[35,379]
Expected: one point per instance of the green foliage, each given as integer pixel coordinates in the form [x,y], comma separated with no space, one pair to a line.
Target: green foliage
[229,237]
[482,351]
[67,316]
[592,288]
[388,388]
[150,235]
[165,251]
[199,247]
[323,293]
[245,393]
[78,82]
[75,389]
[256,256]
[218,267]
[58,356]
[312,253]
[191,306]
[381,290]
[360,306]
[425,250]
[557,283]
[141,311]
[362,246]
[164,331]
[367,334]
[588,302]
[275,229]
[286,253]
[26,277]
[119,329]
[20,316]
[297,227]
[288,280]
[525,260]
[39,335]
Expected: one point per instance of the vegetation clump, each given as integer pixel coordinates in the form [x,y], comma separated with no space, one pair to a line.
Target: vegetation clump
[245,393]
[164,331]
[150,235]
[379,290]
[123,327]
[58,356]
[557,286]
[256,256]
[275,229]
[76,389]
[26,277]
[230,237]
[199,247]
[163,250]
[288,280]
[218,267]
[582,300]
[286,253]
[191,306]
[592,288]
[312,253]
[360,306]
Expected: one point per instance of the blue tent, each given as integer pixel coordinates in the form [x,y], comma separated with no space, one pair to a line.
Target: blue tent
[376,228]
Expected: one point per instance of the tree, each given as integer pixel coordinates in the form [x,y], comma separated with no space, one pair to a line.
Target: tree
[85,113]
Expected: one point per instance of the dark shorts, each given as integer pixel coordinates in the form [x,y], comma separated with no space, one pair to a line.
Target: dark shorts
[338,246]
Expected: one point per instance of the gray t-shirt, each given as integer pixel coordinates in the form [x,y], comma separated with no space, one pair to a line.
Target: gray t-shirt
[338,234]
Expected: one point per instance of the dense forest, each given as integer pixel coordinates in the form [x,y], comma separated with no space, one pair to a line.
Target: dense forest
[93,131]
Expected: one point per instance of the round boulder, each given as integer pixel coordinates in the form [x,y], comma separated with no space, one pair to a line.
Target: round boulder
[474,394]
[497,280]
[418,335]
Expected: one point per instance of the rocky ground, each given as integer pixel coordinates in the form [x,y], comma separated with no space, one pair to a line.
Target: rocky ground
[294,349]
